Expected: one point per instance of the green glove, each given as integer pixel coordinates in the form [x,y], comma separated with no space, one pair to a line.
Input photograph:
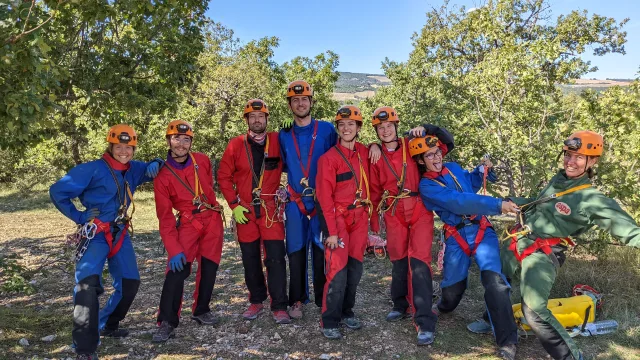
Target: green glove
[238,214]
[287,124]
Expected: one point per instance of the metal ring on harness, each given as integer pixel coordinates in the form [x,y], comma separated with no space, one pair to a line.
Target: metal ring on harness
[308,191]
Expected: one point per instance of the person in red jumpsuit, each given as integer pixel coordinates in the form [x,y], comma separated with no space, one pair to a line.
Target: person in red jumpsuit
[344,209]
[185,184]
[395,195]
[249,177]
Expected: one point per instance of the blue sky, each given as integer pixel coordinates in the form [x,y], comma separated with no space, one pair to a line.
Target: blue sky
[364,32]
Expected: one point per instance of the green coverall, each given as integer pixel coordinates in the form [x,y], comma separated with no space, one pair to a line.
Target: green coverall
[568,215]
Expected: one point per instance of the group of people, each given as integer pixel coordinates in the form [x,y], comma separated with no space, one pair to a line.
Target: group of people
[337,191]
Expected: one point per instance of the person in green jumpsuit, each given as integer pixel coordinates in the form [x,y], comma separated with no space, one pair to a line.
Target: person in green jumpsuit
[539,242]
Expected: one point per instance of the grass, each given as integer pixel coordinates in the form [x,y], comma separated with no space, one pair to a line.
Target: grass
[33,228]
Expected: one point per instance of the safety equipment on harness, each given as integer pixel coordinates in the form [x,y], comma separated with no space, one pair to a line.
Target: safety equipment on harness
[122,134]
[521,229]
[384,113]
[122,217]
[485,172]
[179,127]
[81,238]
[376,245]
[421,145]
[349,112]
[359,201]
[299,88]
[238,214]
[402,193]
[307,191]
[255,105]
[585,142]
[200,200]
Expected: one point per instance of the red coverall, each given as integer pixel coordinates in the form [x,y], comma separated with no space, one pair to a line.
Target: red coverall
[263,228]
[409,233]
[345,216]
[198,235]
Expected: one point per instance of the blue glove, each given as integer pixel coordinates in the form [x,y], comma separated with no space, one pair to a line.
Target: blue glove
[89,215]
[154,168]
[178,262]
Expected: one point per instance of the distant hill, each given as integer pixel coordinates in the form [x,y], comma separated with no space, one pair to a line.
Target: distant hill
[357,86]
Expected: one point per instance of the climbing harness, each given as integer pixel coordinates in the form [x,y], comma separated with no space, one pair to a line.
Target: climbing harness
[359,201]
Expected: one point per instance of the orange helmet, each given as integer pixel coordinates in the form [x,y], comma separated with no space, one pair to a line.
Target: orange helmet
[122,134]
[421,145]
[256,105]
[299,87]
[585,142]
[349,112]
[384,113]
[179,127]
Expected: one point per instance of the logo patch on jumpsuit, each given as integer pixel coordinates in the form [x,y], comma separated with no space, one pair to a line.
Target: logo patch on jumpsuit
[563,208]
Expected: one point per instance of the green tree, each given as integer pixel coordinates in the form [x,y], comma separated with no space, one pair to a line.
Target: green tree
[71,67]
[490,75]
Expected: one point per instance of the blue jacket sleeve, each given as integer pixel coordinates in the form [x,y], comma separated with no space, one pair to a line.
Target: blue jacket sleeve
[70,187]
[436,197]
[475,178]
[140,168]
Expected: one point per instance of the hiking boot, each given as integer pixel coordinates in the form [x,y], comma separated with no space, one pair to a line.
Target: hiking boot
[507,352]
[352,323]
[253,311]
[332,334]
[425,338]
[395,315]
[480,326]
[93,356]
[281,317]
[206,319]
[164,332]
[296,310]
[114,333]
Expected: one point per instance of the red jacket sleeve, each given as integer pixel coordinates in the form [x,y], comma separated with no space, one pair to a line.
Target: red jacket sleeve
[225,175]
[325,191]
[164,210]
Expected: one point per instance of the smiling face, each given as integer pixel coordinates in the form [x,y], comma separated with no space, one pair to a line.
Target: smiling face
[432,159]
[257,121]
[575,165]
[180,145]
[347,130]
[300,105]
[122,153]
[386,132]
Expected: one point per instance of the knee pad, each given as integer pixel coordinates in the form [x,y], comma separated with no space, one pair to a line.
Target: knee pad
[91,282]
[130,288]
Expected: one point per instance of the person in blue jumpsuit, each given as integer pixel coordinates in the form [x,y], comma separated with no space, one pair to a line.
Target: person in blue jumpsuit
[105,187]
[302,142]
[450,191]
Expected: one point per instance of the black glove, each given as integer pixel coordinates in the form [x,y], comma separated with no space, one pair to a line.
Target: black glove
[442,134]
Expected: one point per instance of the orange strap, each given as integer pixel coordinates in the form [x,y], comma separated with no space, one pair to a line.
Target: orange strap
[452,231]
